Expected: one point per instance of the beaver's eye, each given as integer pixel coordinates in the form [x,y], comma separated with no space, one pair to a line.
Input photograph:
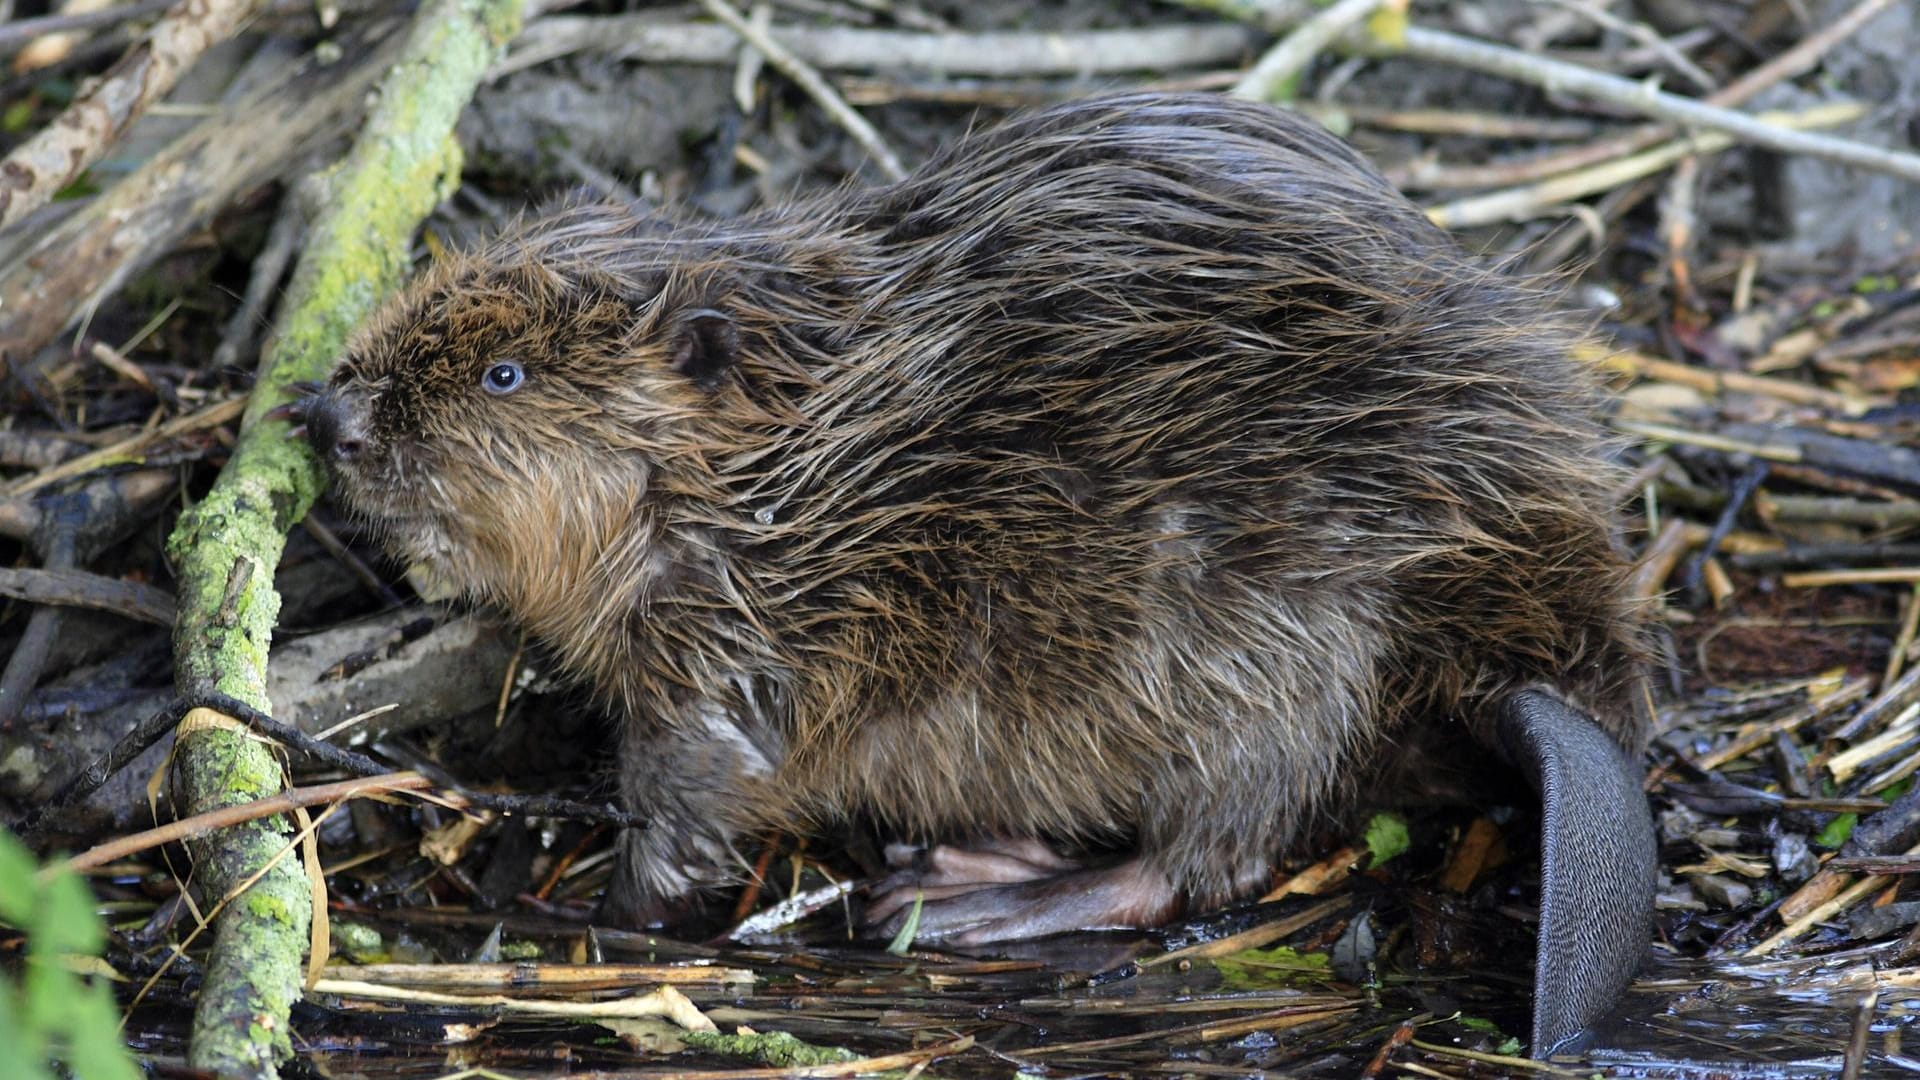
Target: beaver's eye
[503,378]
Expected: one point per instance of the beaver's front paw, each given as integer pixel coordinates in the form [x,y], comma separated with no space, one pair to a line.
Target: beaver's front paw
[651,886]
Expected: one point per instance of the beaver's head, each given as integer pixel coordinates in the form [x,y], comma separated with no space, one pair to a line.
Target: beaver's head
[512,420]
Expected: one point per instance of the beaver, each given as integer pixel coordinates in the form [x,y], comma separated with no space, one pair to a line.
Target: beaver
[1141,471]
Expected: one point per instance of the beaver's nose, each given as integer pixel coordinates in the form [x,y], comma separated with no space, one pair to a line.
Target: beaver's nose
[334,428]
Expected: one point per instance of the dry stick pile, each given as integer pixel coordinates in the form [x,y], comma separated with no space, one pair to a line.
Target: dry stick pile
[1772,469]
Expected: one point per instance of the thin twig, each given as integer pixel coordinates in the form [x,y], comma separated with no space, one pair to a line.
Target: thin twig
[1273,76]
[1909,625]
[816,87]
[1656,563]
[1515,204]
[1505,1061]
[1801,57]
[128,449]
[1479,125]
[263,281]
[1705,439]
[1875,576]
[202,824]
[18,33]
[1645,35]
[1792,720]
[546,976]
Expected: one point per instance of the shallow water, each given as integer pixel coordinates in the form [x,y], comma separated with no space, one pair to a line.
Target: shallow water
[1084,1005]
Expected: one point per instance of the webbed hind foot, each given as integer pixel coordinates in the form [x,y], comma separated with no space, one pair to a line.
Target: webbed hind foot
[1016,891]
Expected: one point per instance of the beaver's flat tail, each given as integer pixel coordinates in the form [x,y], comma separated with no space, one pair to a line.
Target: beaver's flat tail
[1597,863]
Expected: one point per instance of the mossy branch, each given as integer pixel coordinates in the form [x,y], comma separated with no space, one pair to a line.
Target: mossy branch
[225,549]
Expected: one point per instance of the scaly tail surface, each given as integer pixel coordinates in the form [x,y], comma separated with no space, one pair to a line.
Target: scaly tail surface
[1597,863]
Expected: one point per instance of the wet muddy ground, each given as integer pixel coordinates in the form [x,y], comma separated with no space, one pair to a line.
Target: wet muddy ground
[1760,316]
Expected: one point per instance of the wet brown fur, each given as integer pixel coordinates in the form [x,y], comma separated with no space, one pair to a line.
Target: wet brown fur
[1135,472]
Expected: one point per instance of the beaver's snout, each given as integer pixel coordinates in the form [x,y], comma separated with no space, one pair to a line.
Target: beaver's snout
[336,429]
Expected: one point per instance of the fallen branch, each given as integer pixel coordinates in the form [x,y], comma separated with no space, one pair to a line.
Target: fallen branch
[61,275]
[816,87]
[226,547]
[528,976]
[35,170]
[779,1046]
[1711,381]
[263,282]
[1563,78]
[665,1001]
[840,48]
[1845,898]
[1794,61]
[1422,43]
[21,32]
[78,588]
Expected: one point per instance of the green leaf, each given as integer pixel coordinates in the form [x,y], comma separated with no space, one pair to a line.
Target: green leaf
[67,919]
[1479,1023]
[1837,830]
[17,887]
[1388,26]
[50,1006]
[1386,838]
[1284,91]
[49,992]
[23,1048]
[903,940]
[59,92]
[1256,969]
[17,117]
[93,1045]
[79,189]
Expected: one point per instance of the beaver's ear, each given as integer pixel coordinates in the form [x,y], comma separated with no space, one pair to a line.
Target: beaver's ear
[705,344]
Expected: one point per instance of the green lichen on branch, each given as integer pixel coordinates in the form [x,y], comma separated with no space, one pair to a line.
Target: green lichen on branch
[225,549]
[775,1048]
